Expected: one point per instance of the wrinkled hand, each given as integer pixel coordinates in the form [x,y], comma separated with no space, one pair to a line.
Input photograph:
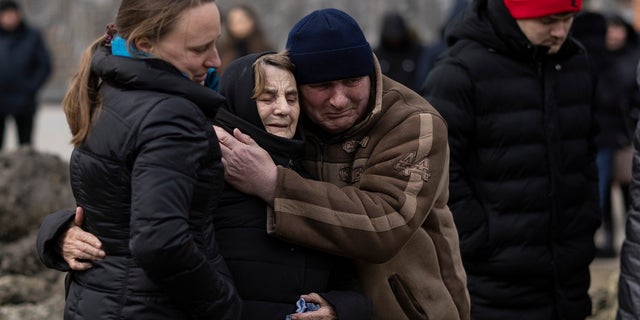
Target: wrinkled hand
[247,167]
[79,248]
[326,311]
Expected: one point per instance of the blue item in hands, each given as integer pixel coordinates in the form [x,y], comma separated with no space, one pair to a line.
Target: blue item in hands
[303,306]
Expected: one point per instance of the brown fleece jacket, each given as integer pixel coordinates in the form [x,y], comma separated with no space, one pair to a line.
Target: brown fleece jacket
[382,200]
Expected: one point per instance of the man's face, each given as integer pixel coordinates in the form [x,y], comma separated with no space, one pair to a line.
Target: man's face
[336,105]
[550,31]
[616,37]
[10,19]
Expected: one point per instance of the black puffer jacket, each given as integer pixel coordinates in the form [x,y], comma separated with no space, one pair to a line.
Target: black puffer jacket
[269,273]
[523,177]
[148,178]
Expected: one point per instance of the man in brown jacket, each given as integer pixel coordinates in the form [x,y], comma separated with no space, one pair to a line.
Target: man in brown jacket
[379,156]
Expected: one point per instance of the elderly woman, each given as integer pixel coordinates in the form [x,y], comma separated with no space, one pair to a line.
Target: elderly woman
[271,274]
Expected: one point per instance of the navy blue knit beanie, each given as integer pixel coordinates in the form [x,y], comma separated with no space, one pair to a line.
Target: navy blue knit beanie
[328,45]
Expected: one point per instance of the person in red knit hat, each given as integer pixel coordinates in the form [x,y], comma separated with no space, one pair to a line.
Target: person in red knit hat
[536,20]
[516,92]
[531,9]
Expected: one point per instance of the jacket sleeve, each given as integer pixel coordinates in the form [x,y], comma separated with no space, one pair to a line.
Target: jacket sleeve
[396,188]
[629,283]
[450,90]
[40,62]
[349,304]
[50,230]
[171,145]
[345,294]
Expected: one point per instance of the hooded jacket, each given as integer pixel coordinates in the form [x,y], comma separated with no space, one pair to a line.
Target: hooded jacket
[617,94]
[629,283]
[148,177]
[381,200]
[401,55]
[270,274]
[524,189]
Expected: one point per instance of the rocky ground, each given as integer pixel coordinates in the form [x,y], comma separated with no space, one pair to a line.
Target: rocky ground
[31,185]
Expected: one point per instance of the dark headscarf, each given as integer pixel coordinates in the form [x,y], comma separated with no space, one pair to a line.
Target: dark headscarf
[241,111]
[236,84]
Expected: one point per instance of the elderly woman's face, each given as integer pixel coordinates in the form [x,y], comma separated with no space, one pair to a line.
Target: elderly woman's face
[278,105]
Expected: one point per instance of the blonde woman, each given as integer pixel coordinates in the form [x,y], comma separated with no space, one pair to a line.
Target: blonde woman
[146,168]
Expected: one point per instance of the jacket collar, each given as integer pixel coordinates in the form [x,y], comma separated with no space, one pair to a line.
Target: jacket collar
[153,74]
[281,149]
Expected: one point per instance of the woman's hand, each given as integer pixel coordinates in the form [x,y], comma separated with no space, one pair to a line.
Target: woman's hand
[77,247]
[326,311]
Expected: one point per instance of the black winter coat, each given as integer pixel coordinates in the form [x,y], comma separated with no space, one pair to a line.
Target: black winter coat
[523,178]
[25,65]
[401,55]
[148,177]
[618,95]
[270,274]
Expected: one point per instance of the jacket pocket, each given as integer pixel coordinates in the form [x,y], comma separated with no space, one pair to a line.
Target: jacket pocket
[407,301]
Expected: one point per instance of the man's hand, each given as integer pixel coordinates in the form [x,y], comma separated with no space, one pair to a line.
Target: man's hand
[79,248]
[247,167]
[326,311]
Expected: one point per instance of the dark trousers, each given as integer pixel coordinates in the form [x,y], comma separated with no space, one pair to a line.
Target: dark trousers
[605,161]
[24,125]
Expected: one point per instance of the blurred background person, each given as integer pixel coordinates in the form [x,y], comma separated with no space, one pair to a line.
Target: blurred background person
[617,100]
[242,35]
[612,45]
[590,29]
[437,47]
[24,68]
[623,48]
[400,51]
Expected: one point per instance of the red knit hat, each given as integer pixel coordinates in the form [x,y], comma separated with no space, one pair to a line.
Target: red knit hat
[529,9]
